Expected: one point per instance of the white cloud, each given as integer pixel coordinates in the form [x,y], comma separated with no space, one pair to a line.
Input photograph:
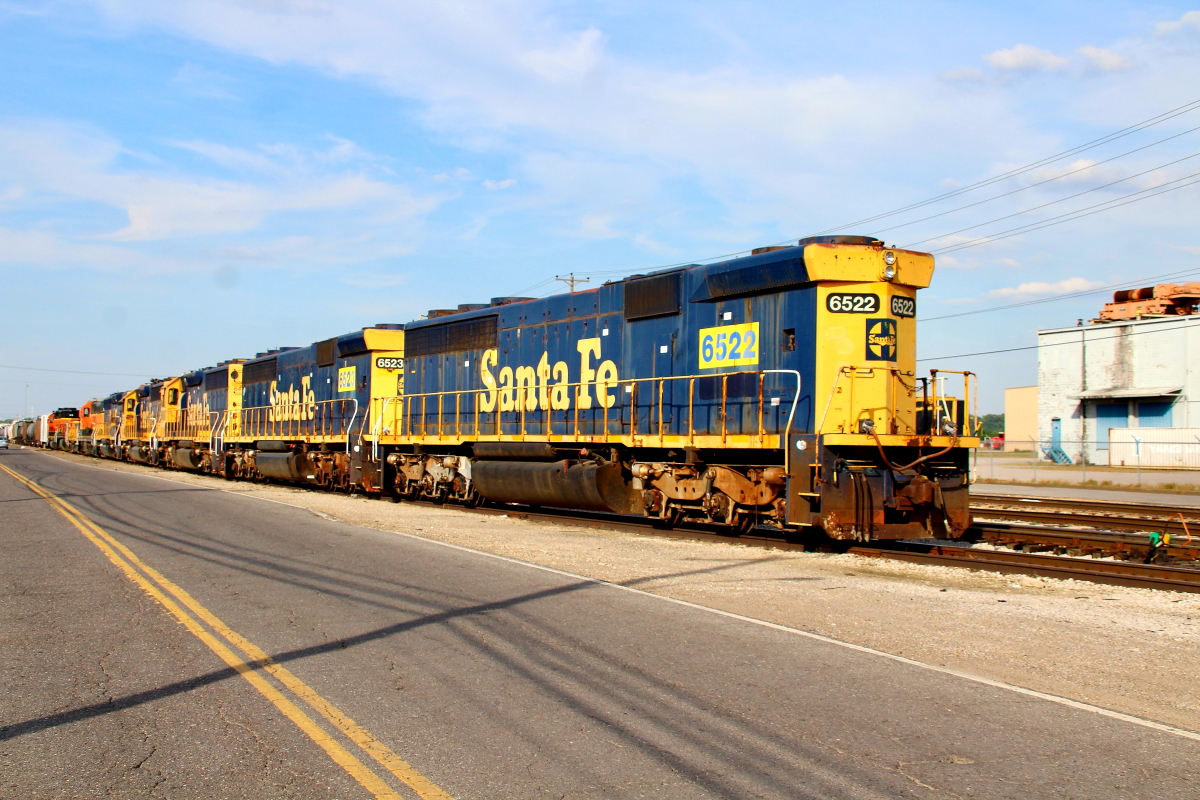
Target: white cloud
[47,249]
[1103,60]
[233,158]
[510,78]
[497,185]
[965,75]
[199,81]
[1079,171]
[1191,19]
[61,167]
[1026,58]
[1040,288]
[597,226]
[575,59]
[595,131]
[65,162]
[644,240]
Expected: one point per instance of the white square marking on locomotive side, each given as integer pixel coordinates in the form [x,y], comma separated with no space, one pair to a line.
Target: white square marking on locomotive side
[662,349]
[727,315]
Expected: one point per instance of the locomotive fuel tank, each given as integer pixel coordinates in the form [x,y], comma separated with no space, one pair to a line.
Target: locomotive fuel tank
[186,457]
[282,466]
[560,484]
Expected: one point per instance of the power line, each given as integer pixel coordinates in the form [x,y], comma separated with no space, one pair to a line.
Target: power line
[1041,183]
[1059,344]
[1123,132]
[1108,205]
[1066,296]
[1056,202]
[48,383]
[74,371]
[1192,106]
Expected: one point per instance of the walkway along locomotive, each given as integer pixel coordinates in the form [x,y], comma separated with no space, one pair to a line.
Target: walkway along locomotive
[778,388]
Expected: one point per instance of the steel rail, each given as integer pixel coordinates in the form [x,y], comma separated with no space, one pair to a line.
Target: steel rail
[1124,524]
[1119,573]
[1066,541]
[1047,505]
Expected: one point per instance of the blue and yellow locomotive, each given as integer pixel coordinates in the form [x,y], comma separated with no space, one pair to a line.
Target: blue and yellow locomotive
[779,388]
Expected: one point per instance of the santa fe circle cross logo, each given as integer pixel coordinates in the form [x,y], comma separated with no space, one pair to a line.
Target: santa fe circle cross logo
[881,340]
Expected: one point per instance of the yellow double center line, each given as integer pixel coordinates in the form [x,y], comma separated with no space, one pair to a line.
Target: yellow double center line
[179,603]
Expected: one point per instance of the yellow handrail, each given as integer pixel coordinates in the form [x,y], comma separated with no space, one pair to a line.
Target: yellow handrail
[414,410]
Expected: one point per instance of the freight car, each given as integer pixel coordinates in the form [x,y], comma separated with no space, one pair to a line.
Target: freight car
[778,388]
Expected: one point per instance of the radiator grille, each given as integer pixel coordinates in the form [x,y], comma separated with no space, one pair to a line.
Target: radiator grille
[261,371]
[452,337]
[217,380]
[653,297]
[327,352]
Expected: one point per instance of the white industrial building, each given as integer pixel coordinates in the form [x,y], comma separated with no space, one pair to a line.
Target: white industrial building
[1118,374]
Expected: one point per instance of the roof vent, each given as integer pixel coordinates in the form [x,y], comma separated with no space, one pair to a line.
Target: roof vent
[863,240]
[503,301]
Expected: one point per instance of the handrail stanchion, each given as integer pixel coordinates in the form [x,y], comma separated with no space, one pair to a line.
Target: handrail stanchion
[662,420]
[691,411]
[724,417]
[762,379]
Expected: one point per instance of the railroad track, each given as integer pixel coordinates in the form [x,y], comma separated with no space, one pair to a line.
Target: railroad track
[1017,561]
[1119,573]
[1143,532]
[1177,551]
[1112,514]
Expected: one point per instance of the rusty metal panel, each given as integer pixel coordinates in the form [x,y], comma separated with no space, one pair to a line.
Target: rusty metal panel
[801,455]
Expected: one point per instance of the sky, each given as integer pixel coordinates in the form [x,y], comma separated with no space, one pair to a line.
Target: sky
[187,182]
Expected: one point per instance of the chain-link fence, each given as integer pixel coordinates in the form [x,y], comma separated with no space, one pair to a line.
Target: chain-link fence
[1153,456]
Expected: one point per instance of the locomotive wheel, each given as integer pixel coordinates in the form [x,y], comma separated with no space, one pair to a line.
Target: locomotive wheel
[743,524]
[672,519]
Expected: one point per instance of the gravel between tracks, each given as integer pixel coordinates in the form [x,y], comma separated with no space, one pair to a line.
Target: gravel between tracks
[1131,650]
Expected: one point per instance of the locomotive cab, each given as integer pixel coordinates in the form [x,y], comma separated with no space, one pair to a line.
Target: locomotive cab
[889,454]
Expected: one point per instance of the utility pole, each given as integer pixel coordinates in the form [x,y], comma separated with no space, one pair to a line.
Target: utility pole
[27,411]
[571,280]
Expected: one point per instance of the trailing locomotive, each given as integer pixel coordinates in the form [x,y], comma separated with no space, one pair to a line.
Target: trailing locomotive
[779,388]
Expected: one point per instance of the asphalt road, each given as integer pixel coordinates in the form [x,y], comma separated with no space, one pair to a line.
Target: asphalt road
[481,677]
